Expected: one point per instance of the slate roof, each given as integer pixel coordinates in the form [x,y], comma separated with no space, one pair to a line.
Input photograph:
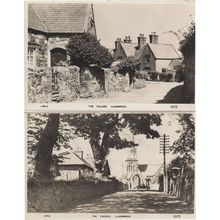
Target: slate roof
[129,48]
[164,51]
[74,159]
[139,52]
[150,169]
[58,17]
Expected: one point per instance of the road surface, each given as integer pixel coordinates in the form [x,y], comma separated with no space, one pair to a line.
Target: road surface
[152,93]
[134,202]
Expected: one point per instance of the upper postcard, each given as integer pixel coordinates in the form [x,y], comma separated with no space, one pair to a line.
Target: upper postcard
[90,53]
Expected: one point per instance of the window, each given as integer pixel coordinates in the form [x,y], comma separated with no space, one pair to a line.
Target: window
[147,58]
[31,57]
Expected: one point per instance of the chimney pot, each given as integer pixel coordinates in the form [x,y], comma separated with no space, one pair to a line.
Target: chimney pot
[153,38]
[127,39]
[141,40]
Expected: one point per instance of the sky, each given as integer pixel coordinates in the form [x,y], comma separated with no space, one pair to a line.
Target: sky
[118,20]
[147,149]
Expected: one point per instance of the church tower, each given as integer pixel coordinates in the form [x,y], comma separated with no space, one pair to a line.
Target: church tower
[131,163]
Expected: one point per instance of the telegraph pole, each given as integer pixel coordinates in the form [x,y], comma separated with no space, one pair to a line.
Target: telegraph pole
[164,148]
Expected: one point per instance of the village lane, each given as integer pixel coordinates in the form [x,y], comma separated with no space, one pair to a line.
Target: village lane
[153,92]
[147,202]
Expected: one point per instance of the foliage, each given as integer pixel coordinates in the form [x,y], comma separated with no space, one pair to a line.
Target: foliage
[36,129]
[129,64]
[153,75]
[184,146]
[84,50]
[103,131]
[182,167]
[47,133]
[187,44]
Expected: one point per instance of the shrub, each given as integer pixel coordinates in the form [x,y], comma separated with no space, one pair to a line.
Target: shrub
[84,50]
[129,64]
[153,75]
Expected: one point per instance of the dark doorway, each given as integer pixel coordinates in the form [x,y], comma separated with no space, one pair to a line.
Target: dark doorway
[58,55]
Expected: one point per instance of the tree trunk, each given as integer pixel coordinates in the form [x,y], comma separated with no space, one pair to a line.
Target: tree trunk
[45,148]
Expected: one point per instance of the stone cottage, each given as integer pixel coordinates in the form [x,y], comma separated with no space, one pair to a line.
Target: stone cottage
[49,27]
[74,167]
[153,56]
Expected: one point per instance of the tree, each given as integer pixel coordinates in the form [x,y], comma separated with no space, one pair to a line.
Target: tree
[184,148]
[45,133]
[84,50]
[103,131]
[187,44]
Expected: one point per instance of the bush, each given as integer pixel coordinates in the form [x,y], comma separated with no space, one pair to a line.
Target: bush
[129,64]
[165,77]
[153,75]
[142,75]
[84,50]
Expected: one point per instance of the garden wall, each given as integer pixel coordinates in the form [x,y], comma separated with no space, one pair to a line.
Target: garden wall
[39,85]
[57,196]
[64,84]
[116,82]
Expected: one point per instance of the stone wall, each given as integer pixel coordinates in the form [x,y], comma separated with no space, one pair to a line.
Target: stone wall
[92,82]
[116,82]
[39,42]
[39,85]
[67,83]
[58,196]
[64,84]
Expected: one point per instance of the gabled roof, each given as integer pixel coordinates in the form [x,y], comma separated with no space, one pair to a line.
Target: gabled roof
[58,17]
[153,169]
[139,52]
[129,48]
[74,159]
[164,51]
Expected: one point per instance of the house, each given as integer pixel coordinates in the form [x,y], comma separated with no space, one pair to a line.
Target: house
[146,176]
[124,48]
[153,56]
[49,27]
[74,167]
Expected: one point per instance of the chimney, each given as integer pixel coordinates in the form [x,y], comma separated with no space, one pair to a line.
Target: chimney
[141,41]
[127,39]
[79,153]
[117,42]
[153,38]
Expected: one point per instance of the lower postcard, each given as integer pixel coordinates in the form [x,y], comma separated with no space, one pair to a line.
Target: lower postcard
[110,165]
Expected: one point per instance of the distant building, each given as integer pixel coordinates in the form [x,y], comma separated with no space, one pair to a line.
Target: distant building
[49,27]
[143,175]
[153,55]
[74,167]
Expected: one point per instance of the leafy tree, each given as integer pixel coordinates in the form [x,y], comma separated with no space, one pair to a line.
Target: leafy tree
[187,44]
[103,131]
[184,148]
[84,49]
[45,133]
